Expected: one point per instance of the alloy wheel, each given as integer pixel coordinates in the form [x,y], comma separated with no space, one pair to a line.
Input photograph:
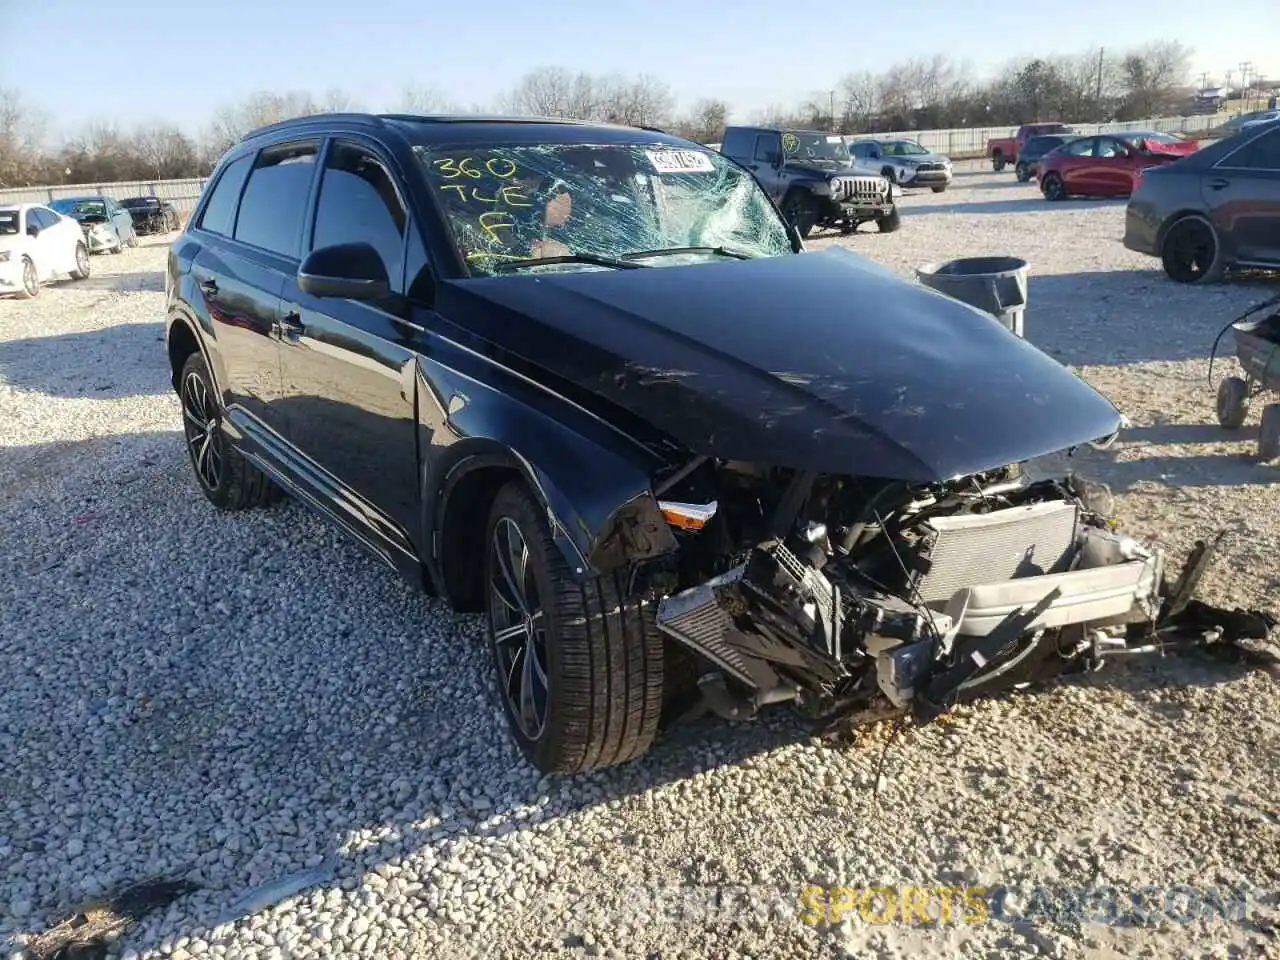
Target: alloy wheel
[1190,251]
[200,423]
[30,280]
[518,625]
[82,260]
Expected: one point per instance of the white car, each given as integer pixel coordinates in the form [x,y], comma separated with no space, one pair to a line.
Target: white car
[36,245]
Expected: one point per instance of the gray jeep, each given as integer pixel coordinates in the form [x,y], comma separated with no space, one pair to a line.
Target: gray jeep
[812,178]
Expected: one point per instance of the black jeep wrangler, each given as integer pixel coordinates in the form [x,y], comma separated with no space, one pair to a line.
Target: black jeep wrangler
[812,178]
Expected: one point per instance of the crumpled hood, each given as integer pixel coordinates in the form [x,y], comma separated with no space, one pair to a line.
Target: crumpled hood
[820,361]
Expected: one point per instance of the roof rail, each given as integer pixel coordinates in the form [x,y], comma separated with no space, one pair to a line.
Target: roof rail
[368,119]
[474,118]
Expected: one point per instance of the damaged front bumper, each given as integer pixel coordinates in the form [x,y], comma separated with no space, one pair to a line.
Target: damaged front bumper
[775,628]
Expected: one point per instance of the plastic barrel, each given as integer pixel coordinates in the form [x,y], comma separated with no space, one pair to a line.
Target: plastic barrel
[996,285]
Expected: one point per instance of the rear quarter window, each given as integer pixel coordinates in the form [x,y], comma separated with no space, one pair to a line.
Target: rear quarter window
[220,213]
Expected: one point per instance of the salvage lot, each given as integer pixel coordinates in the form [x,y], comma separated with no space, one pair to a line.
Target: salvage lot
[234,697]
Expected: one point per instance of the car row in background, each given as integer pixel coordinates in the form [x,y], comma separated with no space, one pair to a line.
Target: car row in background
[106,224]
[1106,165]
[38,244]
[1212,210]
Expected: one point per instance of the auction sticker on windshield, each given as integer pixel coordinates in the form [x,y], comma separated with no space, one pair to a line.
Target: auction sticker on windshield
[680,161]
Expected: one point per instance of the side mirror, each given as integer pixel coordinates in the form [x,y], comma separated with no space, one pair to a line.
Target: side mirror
[351,271]
[33,230]
[776,160]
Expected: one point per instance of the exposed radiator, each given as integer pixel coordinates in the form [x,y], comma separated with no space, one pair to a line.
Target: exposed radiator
[994,547]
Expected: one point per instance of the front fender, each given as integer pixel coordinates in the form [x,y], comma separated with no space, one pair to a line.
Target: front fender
[594,482]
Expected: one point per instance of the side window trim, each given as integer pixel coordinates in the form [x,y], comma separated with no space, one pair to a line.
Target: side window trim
[1223,164]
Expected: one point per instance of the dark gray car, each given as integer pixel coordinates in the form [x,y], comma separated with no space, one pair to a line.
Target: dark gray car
[1214,209]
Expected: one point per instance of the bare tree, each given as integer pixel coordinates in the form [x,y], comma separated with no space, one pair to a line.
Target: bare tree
[1153,75]
[21,141]
[425,101]
[705,121]
[640,101]
[164,151]
[859,101]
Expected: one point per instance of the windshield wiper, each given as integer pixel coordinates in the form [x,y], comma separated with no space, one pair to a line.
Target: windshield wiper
[567,258]
[672,251]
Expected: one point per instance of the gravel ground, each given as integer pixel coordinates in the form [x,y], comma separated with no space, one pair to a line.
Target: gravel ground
[235,699]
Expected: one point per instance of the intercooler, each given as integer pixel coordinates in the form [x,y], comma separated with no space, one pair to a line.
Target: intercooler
[1008,544]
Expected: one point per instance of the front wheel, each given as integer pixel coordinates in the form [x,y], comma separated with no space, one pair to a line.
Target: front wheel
[30,280]
[890,222]
[941,189]
[1191,252]
[579,664]
[81,272]
[1052,187]
[1233,402]
[801,211]
[1022,172]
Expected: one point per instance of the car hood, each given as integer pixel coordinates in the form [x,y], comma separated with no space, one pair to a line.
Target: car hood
[820,361]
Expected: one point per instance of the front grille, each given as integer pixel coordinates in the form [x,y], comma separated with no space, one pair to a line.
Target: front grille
[871,189]
[931,167]
[994,547]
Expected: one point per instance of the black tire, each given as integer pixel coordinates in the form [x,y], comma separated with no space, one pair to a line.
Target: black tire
[82,270]
[600,652]
[941,189]
[1191,253]
[1053,188]
[890,222]
[1233,403]
[997,161]
[30,280]
[847,227]
[133,238]
[229,481]
[1022,172]
[801,210]
[889,174]
[119,247]
[1269,433]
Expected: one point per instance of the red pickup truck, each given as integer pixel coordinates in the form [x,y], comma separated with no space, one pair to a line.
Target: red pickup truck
[1004,150]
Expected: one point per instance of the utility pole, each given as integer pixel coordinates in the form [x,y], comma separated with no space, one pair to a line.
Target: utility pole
[1098,95]
[1246,68]
[833,111]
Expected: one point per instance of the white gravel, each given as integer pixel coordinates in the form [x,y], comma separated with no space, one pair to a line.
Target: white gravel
[235,698]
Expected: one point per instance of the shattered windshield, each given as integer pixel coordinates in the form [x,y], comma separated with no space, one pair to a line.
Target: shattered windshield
[80,207]
[810,147]
[557,206]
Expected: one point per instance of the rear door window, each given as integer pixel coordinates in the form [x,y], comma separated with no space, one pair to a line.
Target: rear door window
[273,208]
[1262,153]
[220,212]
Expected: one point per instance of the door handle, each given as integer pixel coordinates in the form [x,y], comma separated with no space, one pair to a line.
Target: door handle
[1219,183]
[291,325]
[209,287]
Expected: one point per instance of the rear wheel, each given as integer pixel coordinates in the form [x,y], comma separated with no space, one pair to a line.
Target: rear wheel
[940,189]
[1233,402]
[997,161]
[30,280]
[579,665]
[81,272]
[229,481]
[801,210]
[1052,187]
[1191,252]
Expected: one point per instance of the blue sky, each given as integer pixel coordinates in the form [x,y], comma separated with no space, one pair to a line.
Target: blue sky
[140,60]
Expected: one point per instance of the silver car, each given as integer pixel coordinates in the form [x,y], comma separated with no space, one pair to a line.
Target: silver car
[904,162]
[106,224]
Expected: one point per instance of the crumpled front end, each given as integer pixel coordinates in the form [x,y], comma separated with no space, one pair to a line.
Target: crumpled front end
[99,234]
[882,607]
